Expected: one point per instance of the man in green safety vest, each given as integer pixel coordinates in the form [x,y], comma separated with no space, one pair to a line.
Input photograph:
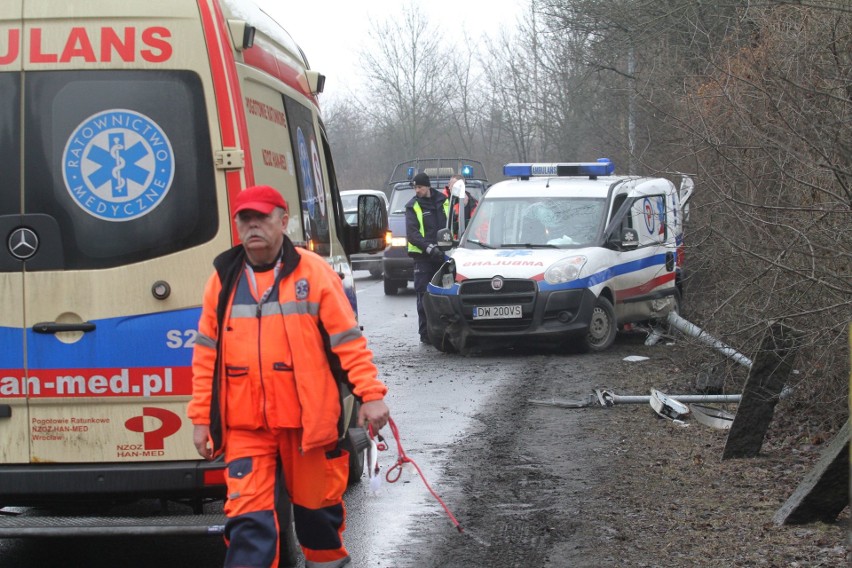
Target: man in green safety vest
[425,214]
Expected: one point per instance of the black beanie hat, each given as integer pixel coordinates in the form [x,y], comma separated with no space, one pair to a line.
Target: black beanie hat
[422,179]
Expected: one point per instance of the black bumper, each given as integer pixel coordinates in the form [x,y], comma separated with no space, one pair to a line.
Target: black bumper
[34,484]
[552,315]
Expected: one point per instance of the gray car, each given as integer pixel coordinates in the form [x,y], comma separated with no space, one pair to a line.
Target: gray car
[372,261]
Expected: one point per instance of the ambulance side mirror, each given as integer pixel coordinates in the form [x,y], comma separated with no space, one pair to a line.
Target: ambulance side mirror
[629,239]
[445,239]
[623,238]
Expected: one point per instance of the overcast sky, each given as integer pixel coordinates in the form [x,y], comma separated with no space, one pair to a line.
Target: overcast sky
[333,32]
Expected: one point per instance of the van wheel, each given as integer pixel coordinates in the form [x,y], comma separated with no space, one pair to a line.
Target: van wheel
[602,327]
[289,553]
[376,272]
[391,287]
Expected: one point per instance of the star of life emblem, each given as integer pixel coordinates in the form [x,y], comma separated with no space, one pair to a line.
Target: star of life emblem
[302,289]
[118,165]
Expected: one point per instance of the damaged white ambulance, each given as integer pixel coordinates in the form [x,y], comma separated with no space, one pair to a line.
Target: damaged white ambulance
[563,253]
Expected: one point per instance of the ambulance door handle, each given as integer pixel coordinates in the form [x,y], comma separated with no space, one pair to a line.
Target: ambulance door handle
[5,411]
[53,327]
[670,261]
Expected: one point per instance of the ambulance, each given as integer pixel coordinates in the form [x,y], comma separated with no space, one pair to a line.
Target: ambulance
[561,253]
[126,130]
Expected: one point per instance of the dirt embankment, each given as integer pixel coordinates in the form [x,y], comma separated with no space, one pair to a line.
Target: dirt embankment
[598,487]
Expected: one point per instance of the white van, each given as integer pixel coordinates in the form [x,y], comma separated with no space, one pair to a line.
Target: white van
[563,253]
[126,128]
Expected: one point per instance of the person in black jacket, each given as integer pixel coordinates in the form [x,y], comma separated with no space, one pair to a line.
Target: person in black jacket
[425,214]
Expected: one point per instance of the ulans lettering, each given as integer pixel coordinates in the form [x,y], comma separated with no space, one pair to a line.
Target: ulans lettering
[13,46]
[102,45]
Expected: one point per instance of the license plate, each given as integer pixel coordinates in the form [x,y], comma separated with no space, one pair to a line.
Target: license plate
[497,312]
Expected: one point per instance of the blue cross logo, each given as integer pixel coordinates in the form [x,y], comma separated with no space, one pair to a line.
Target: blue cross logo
[118,165]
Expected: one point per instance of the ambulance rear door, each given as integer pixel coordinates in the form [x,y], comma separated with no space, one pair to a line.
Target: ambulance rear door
[111,219]
[13,410]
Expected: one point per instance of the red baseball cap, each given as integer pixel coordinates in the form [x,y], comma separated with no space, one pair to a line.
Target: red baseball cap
[260,198]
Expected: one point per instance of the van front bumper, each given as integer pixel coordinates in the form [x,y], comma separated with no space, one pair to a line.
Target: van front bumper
[557,315]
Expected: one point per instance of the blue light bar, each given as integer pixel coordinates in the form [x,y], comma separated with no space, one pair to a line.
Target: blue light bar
[467,170]
[603,167]
[410,172]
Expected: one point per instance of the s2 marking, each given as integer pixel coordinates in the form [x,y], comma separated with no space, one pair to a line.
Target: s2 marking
[177,338]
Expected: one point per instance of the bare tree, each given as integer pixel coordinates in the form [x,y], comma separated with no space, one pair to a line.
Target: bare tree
[406,76]
[510,68]
[362,158]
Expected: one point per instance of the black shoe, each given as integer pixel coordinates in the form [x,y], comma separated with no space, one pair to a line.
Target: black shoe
[425,340]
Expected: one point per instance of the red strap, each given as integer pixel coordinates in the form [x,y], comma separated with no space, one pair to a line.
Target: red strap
[403,459]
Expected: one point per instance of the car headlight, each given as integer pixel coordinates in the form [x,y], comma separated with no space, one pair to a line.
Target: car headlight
[565,270]
[399,242]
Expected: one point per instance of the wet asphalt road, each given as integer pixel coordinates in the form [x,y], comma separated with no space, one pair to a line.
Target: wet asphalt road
[433,398]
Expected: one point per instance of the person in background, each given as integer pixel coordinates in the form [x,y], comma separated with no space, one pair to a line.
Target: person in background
[469,205]
[425,214]
[274,322]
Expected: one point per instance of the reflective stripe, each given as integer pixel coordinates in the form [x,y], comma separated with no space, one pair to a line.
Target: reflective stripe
[350,334]
[275,309]
[205,341]
[332,564]
[243,311]
[300,308]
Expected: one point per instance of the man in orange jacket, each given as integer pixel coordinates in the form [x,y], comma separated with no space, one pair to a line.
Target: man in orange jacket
[274,322]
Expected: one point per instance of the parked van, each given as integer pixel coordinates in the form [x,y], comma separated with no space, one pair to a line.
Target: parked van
[126,130]
[563,253]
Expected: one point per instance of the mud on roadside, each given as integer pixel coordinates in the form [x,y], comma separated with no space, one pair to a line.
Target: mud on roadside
[598,487]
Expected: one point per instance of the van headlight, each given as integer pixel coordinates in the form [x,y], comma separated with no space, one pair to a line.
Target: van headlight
[565,270]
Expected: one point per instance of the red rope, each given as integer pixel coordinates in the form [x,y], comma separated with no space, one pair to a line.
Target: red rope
[403,459]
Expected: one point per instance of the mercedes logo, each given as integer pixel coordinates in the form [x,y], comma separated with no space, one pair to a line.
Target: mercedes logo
[23,243]
[496,283]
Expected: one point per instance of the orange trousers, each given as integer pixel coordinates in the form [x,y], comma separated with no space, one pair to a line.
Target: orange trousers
[315,481]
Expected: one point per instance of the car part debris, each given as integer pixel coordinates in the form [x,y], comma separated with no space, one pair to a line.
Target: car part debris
[711,416]
[693,330]
[609,398]
[667,407]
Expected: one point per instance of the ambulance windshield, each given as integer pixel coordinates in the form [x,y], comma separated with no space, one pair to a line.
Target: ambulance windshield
[536,222]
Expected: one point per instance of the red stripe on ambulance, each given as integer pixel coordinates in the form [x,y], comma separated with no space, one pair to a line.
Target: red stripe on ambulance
[105,382]
[645,288]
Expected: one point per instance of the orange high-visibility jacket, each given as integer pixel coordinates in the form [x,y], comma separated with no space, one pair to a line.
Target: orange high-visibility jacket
[278,374]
